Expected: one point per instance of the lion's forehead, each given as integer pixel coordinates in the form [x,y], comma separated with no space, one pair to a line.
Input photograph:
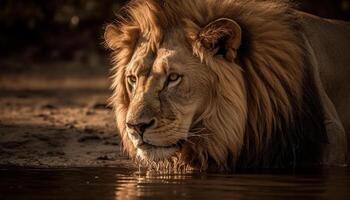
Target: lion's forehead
[148,62]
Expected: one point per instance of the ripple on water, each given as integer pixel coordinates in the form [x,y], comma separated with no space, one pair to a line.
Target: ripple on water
[120,183]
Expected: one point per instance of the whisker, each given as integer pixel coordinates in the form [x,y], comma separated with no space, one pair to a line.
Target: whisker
[192,130]
[191,133]
[198,136]
[195,131]
[189,141]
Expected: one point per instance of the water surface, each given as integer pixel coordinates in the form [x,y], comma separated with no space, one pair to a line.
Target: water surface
[114,183]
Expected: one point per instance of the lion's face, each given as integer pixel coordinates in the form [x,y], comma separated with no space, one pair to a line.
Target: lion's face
[173,91]
[166,91]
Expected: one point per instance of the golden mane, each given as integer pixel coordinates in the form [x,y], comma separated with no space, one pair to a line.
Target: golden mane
[272,58]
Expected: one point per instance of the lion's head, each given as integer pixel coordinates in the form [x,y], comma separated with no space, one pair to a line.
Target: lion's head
[202,82]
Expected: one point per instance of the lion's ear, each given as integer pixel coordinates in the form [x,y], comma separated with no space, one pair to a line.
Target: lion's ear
[110,36]
[222,36]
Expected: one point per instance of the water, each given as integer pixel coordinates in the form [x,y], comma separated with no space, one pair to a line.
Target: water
[110,183]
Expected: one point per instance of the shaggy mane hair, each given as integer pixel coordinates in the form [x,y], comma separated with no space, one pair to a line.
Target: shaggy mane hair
[282,111]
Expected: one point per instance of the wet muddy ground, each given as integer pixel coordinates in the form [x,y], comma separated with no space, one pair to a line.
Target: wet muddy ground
[56,119]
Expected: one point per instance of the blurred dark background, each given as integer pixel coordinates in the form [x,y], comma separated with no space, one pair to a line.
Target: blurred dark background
[36,34]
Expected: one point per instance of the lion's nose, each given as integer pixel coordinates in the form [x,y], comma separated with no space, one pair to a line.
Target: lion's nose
[140,128]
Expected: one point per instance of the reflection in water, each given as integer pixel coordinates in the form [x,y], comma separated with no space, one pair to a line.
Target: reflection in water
[107,183]
[152,185]
[210,186]
[325,185]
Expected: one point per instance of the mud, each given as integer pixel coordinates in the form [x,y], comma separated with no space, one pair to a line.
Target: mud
[50,120]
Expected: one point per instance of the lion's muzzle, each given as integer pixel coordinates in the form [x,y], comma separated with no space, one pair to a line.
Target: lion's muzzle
[141,126]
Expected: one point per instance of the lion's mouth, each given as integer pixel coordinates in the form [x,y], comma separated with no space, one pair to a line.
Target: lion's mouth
[150,152]
[144,145]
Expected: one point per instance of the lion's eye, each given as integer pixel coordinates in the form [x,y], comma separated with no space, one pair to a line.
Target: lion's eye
[174,79]
[131,80]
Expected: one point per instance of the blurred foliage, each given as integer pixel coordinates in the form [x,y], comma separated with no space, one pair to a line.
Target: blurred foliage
[72,29]
[337,9]
[57,29]
[56,12]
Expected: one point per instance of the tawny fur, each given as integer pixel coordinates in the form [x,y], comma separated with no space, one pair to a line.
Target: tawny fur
[256,97]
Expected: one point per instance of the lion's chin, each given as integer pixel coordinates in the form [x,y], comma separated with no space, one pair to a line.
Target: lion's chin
[151,153]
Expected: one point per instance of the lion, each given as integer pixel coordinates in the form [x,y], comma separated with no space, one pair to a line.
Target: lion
[230,85]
